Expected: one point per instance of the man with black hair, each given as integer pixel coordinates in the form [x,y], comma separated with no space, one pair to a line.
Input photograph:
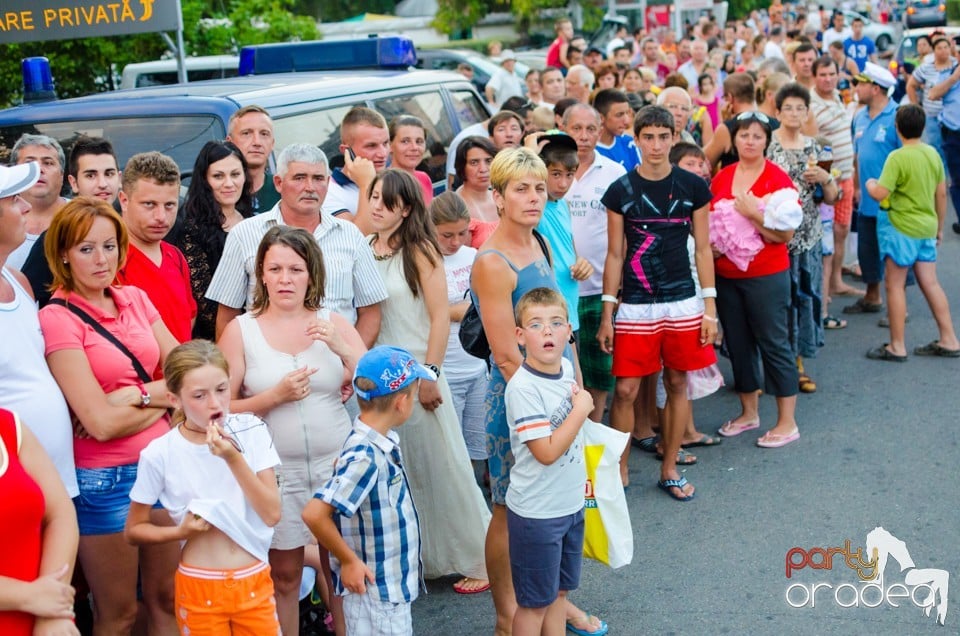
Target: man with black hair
[92,172]
[615,118]
[661,322]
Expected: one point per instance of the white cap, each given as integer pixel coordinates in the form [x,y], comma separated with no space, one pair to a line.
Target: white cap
[17,179]
[507,54]
[876,74]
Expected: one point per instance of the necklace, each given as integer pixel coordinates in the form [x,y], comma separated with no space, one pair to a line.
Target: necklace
[377,256]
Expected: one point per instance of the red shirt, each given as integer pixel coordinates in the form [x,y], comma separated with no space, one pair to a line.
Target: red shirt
[167,286]
[553,54]
[773,258]
[21,507]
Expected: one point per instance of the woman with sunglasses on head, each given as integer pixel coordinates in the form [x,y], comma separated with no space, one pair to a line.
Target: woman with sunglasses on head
[453,514]
[218,198]
[291,363]
[472,165]
[755,204]
[798,154]
[408,144]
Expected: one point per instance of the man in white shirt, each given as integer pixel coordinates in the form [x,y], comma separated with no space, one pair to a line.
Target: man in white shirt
[353,287]
[693,68]
[836,33]
[504,84]
[774,46]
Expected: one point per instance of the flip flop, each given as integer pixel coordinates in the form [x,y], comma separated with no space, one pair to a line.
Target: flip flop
[863,307]
[666,484]
[705,440]
[646,444]
[729,430]
[832,322]
[683,458]
[459,588]
[882,353]
[778,441]
[600,631]
[935,349]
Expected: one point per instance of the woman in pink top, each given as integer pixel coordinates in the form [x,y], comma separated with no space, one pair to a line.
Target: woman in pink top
[472,165]
[408,145]
[117,414]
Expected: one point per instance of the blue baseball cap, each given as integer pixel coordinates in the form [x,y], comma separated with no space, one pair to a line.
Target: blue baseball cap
[391,369]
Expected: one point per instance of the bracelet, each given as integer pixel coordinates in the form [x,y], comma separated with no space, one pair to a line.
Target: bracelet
[708,292]
[607,298]
[710,318]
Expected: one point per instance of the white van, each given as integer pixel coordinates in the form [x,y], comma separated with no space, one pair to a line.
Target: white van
[162,72]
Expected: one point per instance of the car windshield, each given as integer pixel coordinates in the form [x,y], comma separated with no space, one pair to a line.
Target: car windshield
[180,137]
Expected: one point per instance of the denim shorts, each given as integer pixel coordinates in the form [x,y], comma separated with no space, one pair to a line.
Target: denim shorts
[545,556]
[104,498]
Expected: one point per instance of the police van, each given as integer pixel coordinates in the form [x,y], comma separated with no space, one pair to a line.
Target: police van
[307,87]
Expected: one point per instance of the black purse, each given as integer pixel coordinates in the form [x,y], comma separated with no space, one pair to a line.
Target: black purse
[472,337]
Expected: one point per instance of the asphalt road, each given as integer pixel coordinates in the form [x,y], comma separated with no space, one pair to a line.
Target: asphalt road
[879,447]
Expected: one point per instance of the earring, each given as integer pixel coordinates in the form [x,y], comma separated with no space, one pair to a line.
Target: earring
[65,262]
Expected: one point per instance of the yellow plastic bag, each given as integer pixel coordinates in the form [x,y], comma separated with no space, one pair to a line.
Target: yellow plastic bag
[608,535]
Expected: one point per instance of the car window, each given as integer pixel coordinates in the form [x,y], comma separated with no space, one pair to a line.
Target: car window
[429,108]
[320,127]
[468,108]
[182,138]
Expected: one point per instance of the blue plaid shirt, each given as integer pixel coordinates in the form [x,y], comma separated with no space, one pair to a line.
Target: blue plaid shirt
[375,513]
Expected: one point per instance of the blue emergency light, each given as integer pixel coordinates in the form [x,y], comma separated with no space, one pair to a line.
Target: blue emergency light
[37,80]
[391,52]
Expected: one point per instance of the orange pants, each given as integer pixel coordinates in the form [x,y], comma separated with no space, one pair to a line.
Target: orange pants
[217,602]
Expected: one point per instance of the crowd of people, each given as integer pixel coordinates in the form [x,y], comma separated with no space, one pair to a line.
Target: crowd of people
[261,381]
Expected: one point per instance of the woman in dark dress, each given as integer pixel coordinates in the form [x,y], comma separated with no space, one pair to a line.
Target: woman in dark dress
[218,198]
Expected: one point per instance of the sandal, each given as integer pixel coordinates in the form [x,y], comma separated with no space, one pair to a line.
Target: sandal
[588,619]
[863,307]
[832,322]
[935,349]
[807,385]
[646,444]
[882,353]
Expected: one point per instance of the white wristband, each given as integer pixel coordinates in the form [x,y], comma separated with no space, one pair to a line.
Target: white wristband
[710,318]
[607,298]
[708,292]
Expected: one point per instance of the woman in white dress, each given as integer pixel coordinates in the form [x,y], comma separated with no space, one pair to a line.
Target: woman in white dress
[453,513]
[291,361]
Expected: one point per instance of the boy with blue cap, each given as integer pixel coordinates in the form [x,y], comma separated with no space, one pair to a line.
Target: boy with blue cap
[365,515]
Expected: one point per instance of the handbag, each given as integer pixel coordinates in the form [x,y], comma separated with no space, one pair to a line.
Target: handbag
[472,337]
[608,535]
[109,337]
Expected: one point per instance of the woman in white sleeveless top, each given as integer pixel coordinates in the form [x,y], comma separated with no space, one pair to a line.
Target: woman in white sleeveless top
[290,362]
[453,513]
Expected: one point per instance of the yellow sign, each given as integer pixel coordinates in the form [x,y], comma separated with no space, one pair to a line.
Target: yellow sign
[39,20]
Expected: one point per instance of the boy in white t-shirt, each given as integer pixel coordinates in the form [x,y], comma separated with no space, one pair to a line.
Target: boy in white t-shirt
[545,411]
[214,473]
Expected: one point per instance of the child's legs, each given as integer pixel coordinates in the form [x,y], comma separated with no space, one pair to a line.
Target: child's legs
[158,563]
[366,614]
[937,299]
[896,281]
[545,557]
[286,568]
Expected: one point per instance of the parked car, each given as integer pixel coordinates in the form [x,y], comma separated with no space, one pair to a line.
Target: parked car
[306,104]
[449,59]
[883,35]
[925,13]
[162,72]
[905,59]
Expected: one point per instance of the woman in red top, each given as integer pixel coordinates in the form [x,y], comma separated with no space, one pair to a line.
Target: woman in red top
[38,537]
[753,304]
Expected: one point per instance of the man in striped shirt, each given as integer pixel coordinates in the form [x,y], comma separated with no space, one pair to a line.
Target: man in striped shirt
[365,514]
[353,286]
[833,120]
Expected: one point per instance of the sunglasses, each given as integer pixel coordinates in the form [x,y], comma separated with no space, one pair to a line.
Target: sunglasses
[753,114]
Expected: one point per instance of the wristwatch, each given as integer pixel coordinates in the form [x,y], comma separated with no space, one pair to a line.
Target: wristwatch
[144,397]
[433,367]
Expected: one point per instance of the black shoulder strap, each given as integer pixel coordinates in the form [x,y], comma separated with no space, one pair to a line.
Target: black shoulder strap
[87,318]
[543,246]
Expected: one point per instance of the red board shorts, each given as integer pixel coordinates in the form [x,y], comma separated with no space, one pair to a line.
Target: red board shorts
[652,336]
